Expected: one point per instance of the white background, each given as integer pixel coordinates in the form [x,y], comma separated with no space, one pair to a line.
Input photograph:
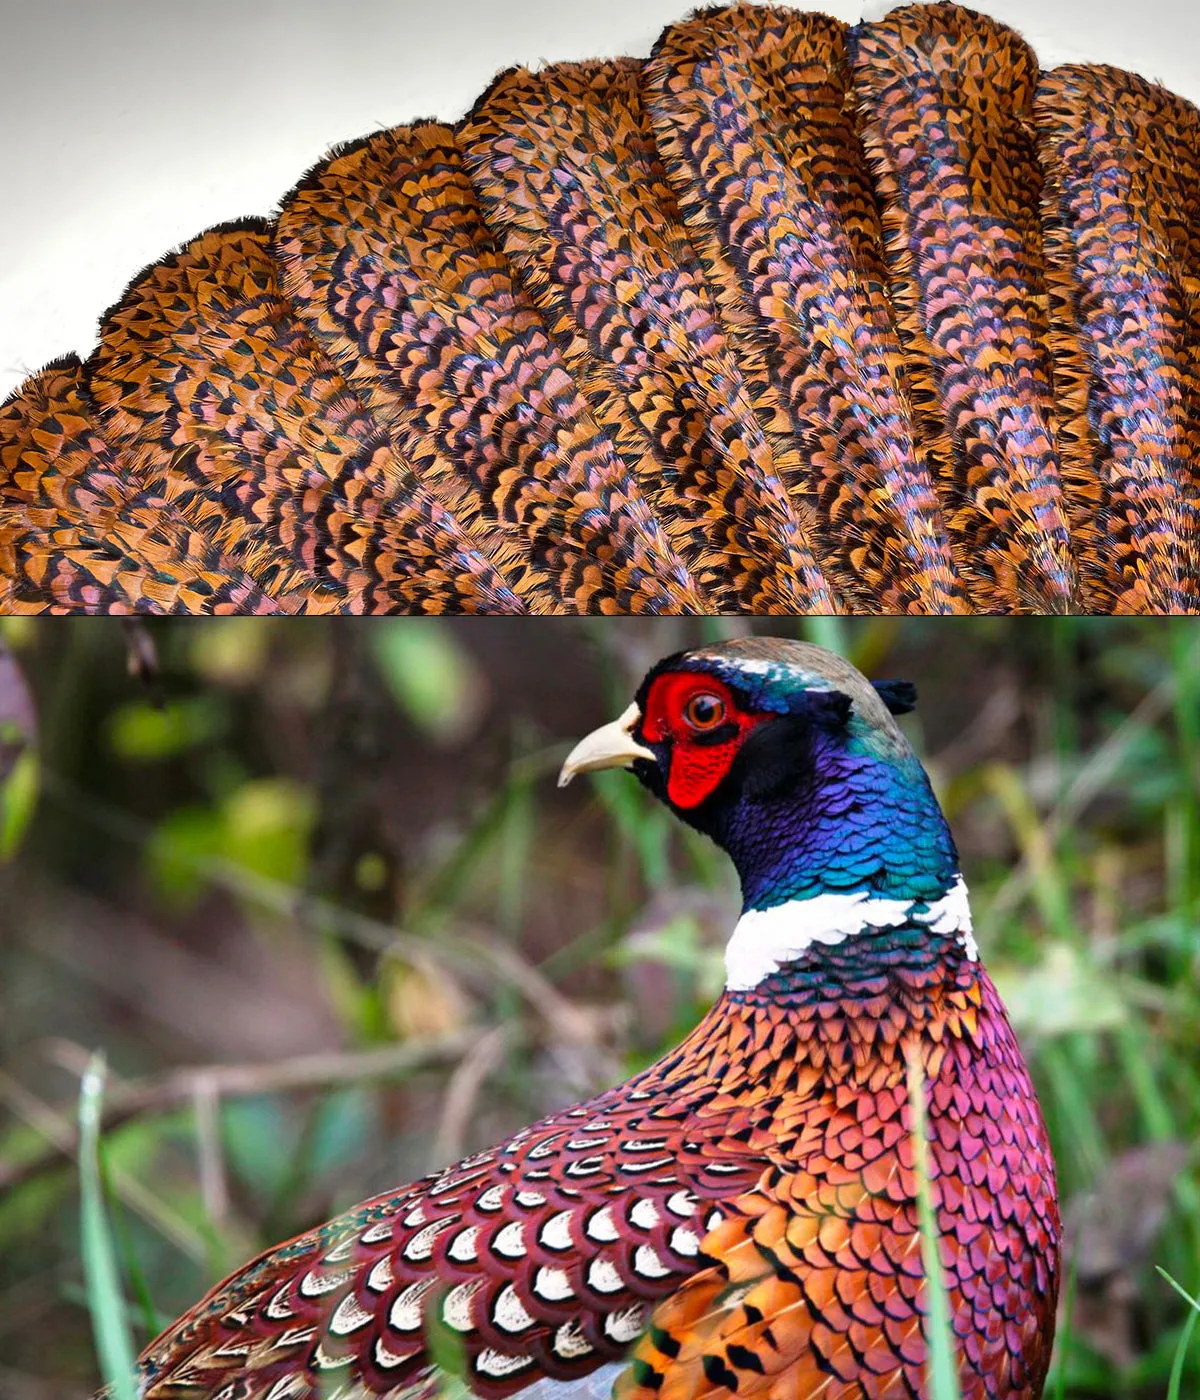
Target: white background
[128,126]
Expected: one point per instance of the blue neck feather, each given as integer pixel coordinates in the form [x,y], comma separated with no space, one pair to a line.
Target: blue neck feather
[861,821]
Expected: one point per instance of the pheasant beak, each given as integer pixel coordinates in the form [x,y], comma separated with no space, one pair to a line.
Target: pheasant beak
[610,746]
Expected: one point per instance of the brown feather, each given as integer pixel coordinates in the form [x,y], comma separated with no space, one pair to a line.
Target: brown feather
[264,446]
[749,109]
[80,531]
[1122,212]
[388,262]
[944,95]
[792,317]
[569,177]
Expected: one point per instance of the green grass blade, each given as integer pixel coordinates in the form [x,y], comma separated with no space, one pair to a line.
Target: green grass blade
[1064,1340]
[1174,1385]
[447,1352]
[114,1342]
[144,1311]
[939,1335]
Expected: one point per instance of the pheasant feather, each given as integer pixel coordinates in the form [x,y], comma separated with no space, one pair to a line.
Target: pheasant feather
[390,265]
[569,173]
[1122,217]
[792,317]
[750,110]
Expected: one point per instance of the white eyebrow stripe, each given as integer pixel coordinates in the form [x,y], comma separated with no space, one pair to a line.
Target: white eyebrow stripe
[765,939]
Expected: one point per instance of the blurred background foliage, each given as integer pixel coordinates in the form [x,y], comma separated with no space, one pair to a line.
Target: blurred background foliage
[312,888]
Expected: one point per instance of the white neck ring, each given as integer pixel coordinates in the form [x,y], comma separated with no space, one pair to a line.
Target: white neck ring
[766,939]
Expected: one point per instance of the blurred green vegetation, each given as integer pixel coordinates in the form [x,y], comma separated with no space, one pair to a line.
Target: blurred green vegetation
[312,889]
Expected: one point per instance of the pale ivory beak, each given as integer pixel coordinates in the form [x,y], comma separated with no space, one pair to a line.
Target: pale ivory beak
[610,746]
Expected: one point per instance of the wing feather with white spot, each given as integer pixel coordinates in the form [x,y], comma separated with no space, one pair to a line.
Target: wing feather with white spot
[538,1261]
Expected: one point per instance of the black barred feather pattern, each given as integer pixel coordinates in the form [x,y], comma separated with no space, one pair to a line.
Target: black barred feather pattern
[750,110]
[72,507]
[386,257]
[790,317]
[269,451]
[571,178]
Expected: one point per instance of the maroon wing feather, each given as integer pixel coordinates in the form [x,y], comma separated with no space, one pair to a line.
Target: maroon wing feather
[540,1257]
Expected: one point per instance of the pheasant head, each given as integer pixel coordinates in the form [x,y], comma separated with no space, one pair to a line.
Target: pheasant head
[792,762]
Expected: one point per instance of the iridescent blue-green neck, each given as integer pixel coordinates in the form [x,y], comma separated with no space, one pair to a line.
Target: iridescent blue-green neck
[860,816]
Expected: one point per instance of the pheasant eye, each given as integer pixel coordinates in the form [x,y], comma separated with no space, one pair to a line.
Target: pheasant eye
[704,712]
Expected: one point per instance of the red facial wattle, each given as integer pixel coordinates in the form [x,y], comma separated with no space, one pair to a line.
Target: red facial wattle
[698,763]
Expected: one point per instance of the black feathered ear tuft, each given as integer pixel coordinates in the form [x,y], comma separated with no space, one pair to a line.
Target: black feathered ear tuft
[828,707]
[899,696]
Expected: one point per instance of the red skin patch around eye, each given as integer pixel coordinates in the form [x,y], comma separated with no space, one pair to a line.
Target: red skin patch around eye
[697,767]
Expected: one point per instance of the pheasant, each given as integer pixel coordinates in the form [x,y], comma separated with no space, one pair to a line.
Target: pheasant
[742,1213]
[792,317]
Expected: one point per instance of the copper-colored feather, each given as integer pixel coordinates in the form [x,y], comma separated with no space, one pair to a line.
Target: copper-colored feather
[1122,210]
[81,532]
[814,1286]
[944,95]
[792,317]
[265,446]
[569,175]
[750,112]
[389,263]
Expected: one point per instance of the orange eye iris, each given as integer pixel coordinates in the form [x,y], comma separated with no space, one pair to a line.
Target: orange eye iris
[703,712]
